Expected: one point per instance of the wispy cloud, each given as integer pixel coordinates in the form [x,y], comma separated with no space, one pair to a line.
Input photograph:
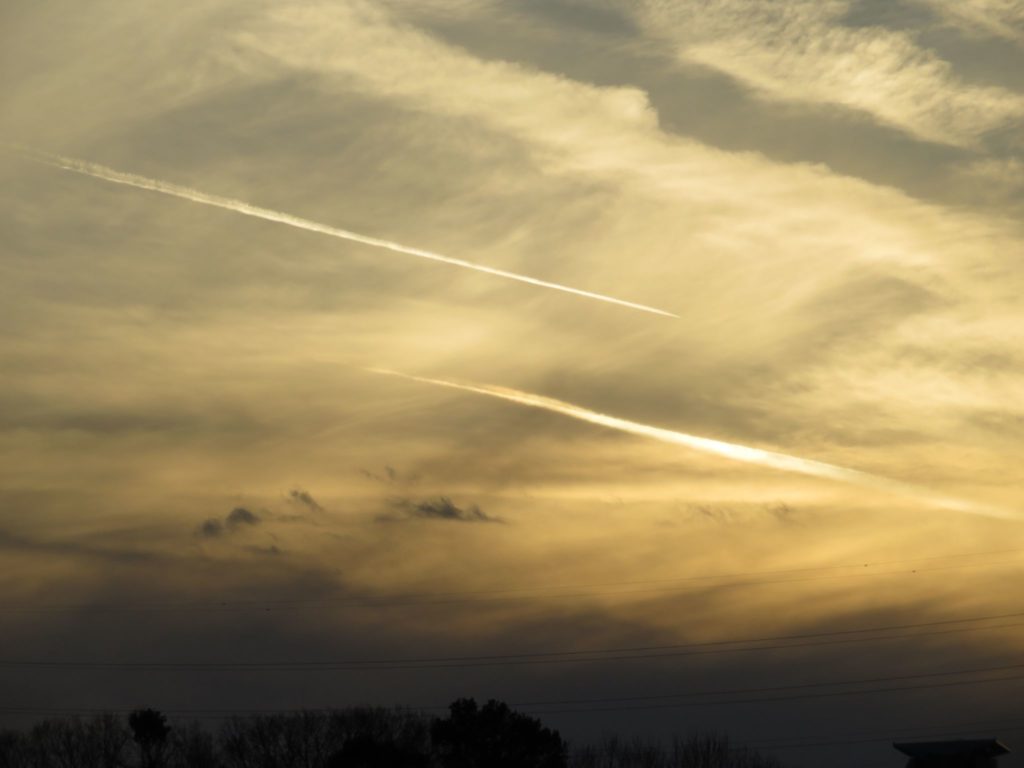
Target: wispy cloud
[305,498]
[104,173]
[997,18]
[612,134]
[441,508]
[733,451]
[803,51]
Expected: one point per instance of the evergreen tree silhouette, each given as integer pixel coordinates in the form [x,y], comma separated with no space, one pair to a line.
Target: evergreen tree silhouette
[493,736]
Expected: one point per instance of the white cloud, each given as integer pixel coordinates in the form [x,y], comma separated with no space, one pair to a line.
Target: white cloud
[998,18]
[735,201]
[993,180]
[801,51]
[772,266]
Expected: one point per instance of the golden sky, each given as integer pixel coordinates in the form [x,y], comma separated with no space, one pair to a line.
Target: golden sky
[201,462]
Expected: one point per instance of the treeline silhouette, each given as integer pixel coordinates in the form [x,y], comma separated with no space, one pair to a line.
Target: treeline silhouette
[469,736]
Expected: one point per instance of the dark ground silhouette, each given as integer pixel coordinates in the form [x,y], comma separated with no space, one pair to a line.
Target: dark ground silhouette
[469,736]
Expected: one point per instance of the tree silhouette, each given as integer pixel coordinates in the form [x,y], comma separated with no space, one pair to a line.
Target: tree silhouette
[150,731]
[193,747]
[496,737]
[471,736]
[368,751]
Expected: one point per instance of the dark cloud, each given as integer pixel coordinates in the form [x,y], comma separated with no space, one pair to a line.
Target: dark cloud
[241,516]
[388,476]
[212,528]
[737,514]
[442,508]
[783,513]
[303,497]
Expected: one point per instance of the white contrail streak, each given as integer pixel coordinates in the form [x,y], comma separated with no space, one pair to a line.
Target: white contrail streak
[174,190]
[732,451]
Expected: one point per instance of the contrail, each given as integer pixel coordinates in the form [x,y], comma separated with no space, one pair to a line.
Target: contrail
[174,190]
[732,451]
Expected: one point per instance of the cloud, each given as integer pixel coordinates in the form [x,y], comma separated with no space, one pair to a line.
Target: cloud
[155,185]
[442,508]
[993,18]
[237,518]
[802,51]
[241,516]
[388,477]
[611,134]
[748,515]
[841,319]
[304,498]
[996,180]
[210,528]
[753,272]
[732,451]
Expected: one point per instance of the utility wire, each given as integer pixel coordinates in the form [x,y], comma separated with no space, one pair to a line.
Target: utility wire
[776,699]
[781,642]
[797,694]
[778,688]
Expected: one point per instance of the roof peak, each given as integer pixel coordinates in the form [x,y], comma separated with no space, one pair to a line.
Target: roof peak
[958,747]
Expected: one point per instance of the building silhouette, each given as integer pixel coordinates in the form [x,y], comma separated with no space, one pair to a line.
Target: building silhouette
[963,753]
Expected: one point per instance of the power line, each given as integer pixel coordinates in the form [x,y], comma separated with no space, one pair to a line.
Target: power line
[533,705]
[630,707]
[776,699]
[777,688]
[781,642]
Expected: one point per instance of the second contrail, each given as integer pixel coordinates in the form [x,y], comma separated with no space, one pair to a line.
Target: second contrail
[747,454]
[104,173]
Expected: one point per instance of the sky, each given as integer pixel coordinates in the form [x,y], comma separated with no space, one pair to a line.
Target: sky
[394,351]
